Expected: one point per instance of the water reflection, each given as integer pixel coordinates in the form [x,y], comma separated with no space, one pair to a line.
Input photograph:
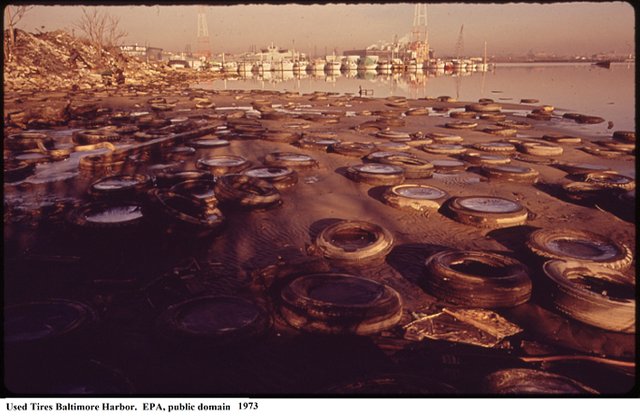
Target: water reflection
[608,93]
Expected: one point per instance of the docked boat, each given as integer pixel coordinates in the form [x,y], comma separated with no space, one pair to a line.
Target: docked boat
[283,66]
[317,65]
[244,67]
[300,66]
[230,67]
[349,65]
[332,64]
[367,63]
[384,67]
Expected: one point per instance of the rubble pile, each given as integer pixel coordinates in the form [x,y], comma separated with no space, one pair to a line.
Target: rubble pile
[57,61]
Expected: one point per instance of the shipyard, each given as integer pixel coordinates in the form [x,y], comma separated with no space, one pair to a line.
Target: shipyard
[431,215]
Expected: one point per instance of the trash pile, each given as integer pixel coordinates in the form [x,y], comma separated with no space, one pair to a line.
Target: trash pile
[56,61]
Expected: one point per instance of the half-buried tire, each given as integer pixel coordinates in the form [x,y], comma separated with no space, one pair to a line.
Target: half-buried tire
[279,176]
[487,211]
[354,242]
[477,279]
[417,197]
[334,303]
[592,294]
[579,245]
[214,321]
[245,191]
[376,174]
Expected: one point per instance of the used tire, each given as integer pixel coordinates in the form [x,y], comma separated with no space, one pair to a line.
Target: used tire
[500,131]
[610,180]
[167,178]
[492,116]
[334,303]
[289,159]
[448,166]
[27,141]
[279,176]
[511,173]
[354,242]
[444,149]
[477,158]
[495,147]
[202,190]
[376,174]
[488,211]
[214,321]
[540,149]
[486,107]
[562,138]
[417,197]
[521,381]
[445,138]
[513,124]
[281,136]
[625,136]
[579,245]
[185,215]
[581,168]
[247,192]
[353,149]
[592,294]
[414,167]
[461,125]
[220,165]
[121,186]
[477,279]
[317,143]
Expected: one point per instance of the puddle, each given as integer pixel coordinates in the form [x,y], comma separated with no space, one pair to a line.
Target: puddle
[494,205]
[583,249]
[113,214]
[266,172]
[378,168]
[419,192]
[353,239]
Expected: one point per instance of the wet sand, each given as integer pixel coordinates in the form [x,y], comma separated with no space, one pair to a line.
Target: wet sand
[241,254]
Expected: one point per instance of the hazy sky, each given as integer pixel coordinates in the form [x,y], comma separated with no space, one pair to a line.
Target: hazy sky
[562,28]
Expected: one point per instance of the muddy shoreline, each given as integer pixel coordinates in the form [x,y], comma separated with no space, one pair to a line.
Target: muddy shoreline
[131,280]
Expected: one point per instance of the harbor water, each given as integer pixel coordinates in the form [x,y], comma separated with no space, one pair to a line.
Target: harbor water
[574,87]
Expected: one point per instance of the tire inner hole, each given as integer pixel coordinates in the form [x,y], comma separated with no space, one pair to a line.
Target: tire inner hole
[353,239]
[478,268]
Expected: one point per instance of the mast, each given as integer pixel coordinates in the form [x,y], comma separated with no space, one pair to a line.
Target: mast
[485,52]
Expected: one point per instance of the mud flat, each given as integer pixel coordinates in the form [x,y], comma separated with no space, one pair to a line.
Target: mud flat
[197,292]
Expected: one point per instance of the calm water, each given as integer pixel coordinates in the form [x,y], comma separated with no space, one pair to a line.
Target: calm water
[583,88]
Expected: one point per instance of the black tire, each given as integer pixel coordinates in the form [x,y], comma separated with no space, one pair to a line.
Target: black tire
[43,323]
[281,177]
[317,143]
[618,146]
[584,192]
[500,131]
[415,197]
[461,125]
[540,149]
[513,124]
[376,174]
[414,167]
[579,245]
[595,295]
[94,136]
[463,114]
[121,186]
[27,141]
[605,153]
[247,192]
[16,171]
[353,149]
[281,136]
[334,303]
[289,159]
[223,164]
[581,168]
[486,107]
[495,147]
[213,321]
[167,178]
[523,381]
[444,149]
[391,135]
[357,242]
[477,279]
[441,138]
[448,166]
[492,116]
[488,211]
[511,173]
[379,154]
[208,143]
[608,180]
[477,158]
[583,119]
[625,136]
[184,215]
[102,163]
[101,217]
[562,138]
[199,189]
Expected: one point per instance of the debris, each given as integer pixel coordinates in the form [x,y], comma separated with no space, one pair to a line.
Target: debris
[480,327]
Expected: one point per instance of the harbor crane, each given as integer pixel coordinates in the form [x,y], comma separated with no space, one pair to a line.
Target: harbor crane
[460,43]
